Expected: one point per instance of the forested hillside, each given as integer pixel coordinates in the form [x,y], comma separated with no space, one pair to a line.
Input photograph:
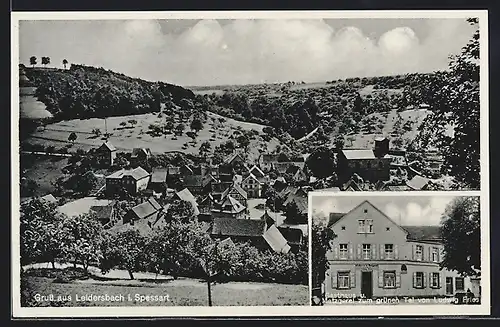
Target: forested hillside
[86,92]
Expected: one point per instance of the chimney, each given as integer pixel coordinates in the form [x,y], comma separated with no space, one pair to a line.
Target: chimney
[381,147]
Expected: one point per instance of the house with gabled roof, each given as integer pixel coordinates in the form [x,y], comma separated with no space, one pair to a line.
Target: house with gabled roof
[229,207]
[104,213]
[418,183]
[371,164]
[130,180]
[140,155]
[374,257]
[194,183]
[186,195]
[106,154]
[237,193]
[255,231]
[258,173]
[148,209]
[253,186]
[158,181]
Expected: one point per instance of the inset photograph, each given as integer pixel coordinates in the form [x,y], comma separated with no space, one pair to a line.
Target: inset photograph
[396,250]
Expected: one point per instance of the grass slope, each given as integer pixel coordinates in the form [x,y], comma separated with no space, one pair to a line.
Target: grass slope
[125,139]
[165,293]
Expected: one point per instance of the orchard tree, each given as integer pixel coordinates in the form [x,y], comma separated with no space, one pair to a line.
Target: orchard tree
[205,149]
[64,62]
[83,239]
[72,137]
[42,232]
[179,129]
[196,124]
[124,250]
[461,234]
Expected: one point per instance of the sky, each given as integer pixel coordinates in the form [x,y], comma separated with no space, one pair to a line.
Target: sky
[404,210]
[220,52]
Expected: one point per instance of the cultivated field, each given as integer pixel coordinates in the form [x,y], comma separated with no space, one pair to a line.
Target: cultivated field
[217,130]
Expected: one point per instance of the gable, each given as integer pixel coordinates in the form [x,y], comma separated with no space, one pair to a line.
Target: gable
[367,210]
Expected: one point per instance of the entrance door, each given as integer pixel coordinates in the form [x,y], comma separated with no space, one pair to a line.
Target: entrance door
[367,284]
[449,285]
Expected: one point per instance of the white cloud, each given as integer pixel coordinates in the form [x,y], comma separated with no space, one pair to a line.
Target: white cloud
[245,51]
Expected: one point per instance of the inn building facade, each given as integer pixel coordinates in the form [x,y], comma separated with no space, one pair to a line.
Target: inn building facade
[373,256]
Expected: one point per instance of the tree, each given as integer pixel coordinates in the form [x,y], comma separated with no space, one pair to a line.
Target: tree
[176,247]
[72,137]
[132,122]
[322,235]
[64,62]
[28,187]
[33,61]
[205,149]
[124,250]
[461,234]
[45,61]
[41,232]
[454,98]
[86,182]
[83,239]
[179,129]
[196,124]
[97,132]
[293,214]
[321,162]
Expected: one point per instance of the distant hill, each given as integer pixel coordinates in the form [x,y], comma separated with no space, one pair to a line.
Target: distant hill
[89,92]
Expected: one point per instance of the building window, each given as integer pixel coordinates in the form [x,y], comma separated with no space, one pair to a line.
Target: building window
[361,226]
[435,254]
[343,251]
[389,251]
[459,283]
[365,226]
[419,252]
[435,280]
[343,280]
[389,279]
[343,227]
[419,280]
[367,251]
[387,229]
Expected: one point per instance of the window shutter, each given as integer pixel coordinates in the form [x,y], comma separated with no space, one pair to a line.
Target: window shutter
[380,278]
[396,255]
[413,251]
[382,251]
[439,280]
[430,280]
[374,252]
[352,278]
[334,280]
[336,252]
[398,279]
[359,251]
[414,279]
[424,279]
[350,251]
[430,254]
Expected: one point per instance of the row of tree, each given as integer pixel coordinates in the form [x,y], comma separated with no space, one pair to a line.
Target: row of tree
[179,248]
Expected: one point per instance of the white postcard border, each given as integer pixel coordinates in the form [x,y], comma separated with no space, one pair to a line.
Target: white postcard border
[343,310]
